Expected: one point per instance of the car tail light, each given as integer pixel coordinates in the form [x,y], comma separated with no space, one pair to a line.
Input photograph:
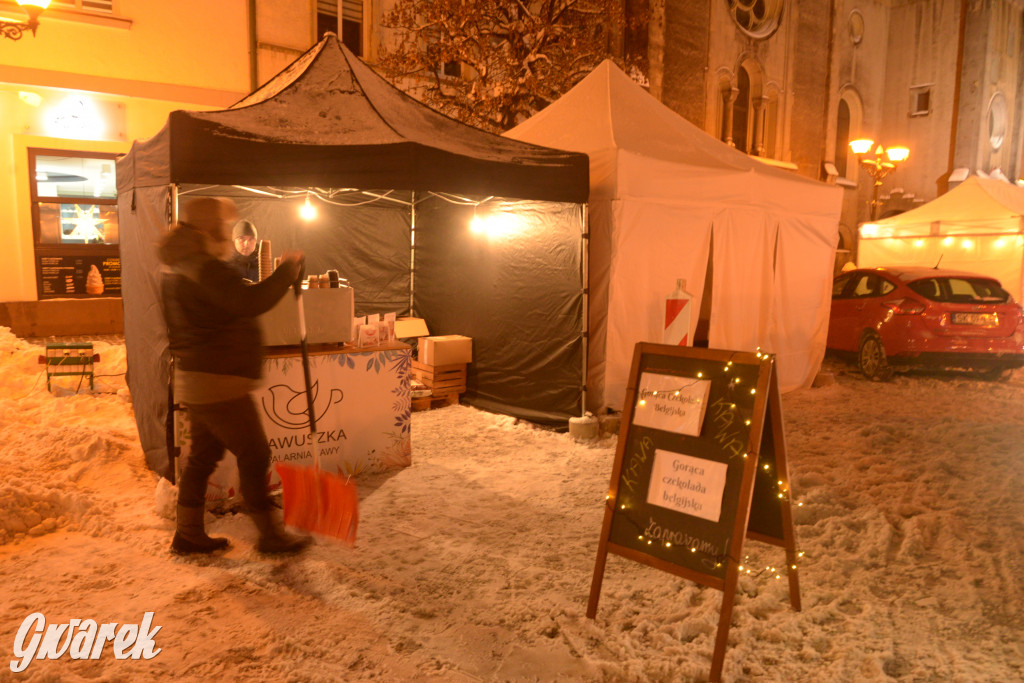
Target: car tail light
[905,306]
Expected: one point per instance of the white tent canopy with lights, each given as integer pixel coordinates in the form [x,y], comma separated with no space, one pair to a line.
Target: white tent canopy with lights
[978,226]
[661,192]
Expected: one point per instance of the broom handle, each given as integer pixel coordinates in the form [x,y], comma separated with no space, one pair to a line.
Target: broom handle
[305,364]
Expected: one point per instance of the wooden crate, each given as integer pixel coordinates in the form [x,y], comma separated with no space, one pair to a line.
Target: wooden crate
[435,401]
[441,378]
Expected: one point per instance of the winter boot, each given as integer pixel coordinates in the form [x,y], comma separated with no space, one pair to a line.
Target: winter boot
[273,537]
[190,536]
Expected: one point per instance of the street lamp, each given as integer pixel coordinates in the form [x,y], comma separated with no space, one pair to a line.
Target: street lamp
[878,164]
[14,29]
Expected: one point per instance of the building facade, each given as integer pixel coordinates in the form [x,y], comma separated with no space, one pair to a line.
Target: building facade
[790,82]
[793,81]
[97,75]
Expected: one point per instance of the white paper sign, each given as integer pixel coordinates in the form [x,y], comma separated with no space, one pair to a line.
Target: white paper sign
[687,484]
[671,403]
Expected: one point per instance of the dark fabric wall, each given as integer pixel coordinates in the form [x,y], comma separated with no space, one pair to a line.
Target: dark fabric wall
[519,296]
[142,220]
[369,245]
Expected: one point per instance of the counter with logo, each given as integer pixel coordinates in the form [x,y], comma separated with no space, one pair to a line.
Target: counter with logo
[362,405]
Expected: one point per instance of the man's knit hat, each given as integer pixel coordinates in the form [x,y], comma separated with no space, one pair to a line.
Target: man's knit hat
[243,228]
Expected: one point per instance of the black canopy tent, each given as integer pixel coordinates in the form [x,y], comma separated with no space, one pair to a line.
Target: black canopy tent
[396,185]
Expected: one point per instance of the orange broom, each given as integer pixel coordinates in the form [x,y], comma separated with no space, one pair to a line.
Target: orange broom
[313,499]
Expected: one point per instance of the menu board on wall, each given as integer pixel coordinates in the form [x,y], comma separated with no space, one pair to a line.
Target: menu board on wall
[700,466]
[78,276]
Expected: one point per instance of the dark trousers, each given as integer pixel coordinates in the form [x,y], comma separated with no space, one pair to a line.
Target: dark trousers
[233,425]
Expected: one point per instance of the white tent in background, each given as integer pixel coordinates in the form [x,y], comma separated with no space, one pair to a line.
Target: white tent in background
[660,188]
[978,226]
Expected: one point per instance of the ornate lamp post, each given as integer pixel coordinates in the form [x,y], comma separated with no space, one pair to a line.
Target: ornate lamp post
[878,164]
[14,29]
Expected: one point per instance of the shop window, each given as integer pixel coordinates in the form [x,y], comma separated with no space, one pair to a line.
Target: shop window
[74,223]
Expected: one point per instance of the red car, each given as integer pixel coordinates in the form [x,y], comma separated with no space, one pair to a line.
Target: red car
[925,316]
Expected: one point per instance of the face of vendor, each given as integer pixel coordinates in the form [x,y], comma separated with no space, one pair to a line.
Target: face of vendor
[245,244]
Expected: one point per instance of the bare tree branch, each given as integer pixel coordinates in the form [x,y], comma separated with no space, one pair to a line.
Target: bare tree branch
[516,57]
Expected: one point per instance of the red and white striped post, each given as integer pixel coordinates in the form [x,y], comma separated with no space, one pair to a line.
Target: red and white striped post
[677,316]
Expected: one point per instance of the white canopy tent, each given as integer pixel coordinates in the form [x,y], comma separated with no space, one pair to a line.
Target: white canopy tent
[660,190]
[978,226]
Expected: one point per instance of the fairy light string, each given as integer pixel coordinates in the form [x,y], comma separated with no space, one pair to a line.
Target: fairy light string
[738,397]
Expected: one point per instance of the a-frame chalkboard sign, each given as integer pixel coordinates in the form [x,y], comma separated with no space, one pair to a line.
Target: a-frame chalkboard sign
[700,466]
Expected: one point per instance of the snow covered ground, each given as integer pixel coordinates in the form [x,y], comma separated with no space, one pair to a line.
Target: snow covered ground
[474,564]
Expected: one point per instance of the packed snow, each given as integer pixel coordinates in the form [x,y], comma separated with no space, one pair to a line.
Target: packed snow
[475,563]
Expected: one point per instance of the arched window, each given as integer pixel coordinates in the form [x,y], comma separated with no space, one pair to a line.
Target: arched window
[842,137]
[741,111]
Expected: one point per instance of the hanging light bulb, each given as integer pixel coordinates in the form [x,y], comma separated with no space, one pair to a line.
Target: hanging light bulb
[307,211]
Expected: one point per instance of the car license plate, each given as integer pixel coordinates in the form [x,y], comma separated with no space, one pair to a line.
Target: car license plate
[980,319]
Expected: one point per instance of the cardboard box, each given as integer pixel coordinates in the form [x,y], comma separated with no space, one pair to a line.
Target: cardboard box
[406,328]
[445,350]
[328,318]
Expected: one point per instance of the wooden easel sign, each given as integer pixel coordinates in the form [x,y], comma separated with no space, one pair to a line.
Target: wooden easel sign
[700,466]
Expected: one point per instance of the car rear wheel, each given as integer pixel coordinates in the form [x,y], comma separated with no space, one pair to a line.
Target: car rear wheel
[871,358]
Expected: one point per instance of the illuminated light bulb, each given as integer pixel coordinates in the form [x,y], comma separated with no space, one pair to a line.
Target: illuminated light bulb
[777,576]
[737,380]
[861,145]
[640,537]
[643,402]
[307,212]
[623,507]
[948,241]
[747,422]
[608,497]
[918,243]
[753,391]
[693,550]
[744,455]
[729,363]
[799,505]
[649,541]
[792,566]
[780,482]
[668,544]
[800,554]
[700,374]
[677,393]
[654,393]
[741,567]
[766,466]
[1000,243]
[780,495]
[30,98]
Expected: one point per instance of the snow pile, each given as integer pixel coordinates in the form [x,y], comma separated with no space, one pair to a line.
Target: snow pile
[64,449]
[475,563]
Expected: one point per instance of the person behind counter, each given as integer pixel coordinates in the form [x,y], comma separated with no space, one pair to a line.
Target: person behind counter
[218,359]
[247,259]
